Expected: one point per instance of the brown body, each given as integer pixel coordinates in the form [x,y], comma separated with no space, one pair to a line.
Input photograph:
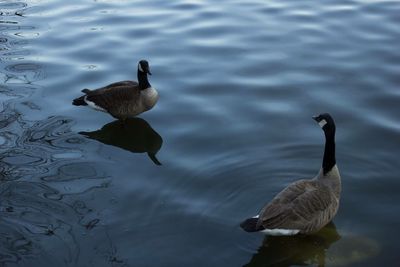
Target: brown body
[305,205]
[123,99]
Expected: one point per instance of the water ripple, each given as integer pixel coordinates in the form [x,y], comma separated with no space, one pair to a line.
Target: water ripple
[238,82]
[40,168]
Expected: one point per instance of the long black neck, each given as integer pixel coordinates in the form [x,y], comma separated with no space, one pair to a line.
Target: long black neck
[143,81]
[329,154]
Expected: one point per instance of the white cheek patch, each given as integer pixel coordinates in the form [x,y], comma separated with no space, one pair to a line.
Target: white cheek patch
[322,123]
[140,67]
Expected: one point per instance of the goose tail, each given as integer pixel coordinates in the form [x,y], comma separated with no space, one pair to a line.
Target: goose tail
[250,225]
[80,101]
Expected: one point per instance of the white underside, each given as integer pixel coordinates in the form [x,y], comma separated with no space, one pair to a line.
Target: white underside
[280,231]
[93,105]
[277,231]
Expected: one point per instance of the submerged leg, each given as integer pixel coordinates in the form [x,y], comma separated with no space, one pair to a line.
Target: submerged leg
[122,122]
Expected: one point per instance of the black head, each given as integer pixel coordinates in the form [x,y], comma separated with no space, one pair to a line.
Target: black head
[326,122]
[143,66]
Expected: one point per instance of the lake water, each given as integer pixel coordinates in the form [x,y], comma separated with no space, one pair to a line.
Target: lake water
[238,83]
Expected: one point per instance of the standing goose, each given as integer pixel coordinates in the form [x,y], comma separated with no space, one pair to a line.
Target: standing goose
[122,99]
[304,206]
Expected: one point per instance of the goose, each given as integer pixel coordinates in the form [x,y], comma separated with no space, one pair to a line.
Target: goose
[305,206]
[123,99]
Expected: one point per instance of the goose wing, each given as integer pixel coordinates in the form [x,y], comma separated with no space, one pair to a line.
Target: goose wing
[110,86]
[121,83]
[303,205]
[110,98]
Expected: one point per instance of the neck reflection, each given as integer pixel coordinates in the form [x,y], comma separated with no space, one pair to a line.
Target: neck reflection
[135,135]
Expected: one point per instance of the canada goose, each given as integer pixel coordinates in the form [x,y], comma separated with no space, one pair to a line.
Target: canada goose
[122,99]
[136,136]
[304,206]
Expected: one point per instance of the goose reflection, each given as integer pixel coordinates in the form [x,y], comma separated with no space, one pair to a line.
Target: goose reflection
[301,250]
[135,135]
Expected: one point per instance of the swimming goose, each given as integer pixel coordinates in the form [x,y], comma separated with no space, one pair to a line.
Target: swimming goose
[122,99]
[305,206]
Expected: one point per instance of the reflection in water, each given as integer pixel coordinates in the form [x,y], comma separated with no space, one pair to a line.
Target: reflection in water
[295,250]
[135,135]
[352,249]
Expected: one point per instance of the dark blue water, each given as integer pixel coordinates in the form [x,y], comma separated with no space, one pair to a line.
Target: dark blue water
[238,84]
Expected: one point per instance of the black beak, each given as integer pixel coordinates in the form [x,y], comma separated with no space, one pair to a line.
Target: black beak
[148,71]
[315,117]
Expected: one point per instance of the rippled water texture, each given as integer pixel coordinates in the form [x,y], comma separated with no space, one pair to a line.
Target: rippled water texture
[238,83]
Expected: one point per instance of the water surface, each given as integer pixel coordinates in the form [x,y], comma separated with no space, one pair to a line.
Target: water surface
[238,83]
